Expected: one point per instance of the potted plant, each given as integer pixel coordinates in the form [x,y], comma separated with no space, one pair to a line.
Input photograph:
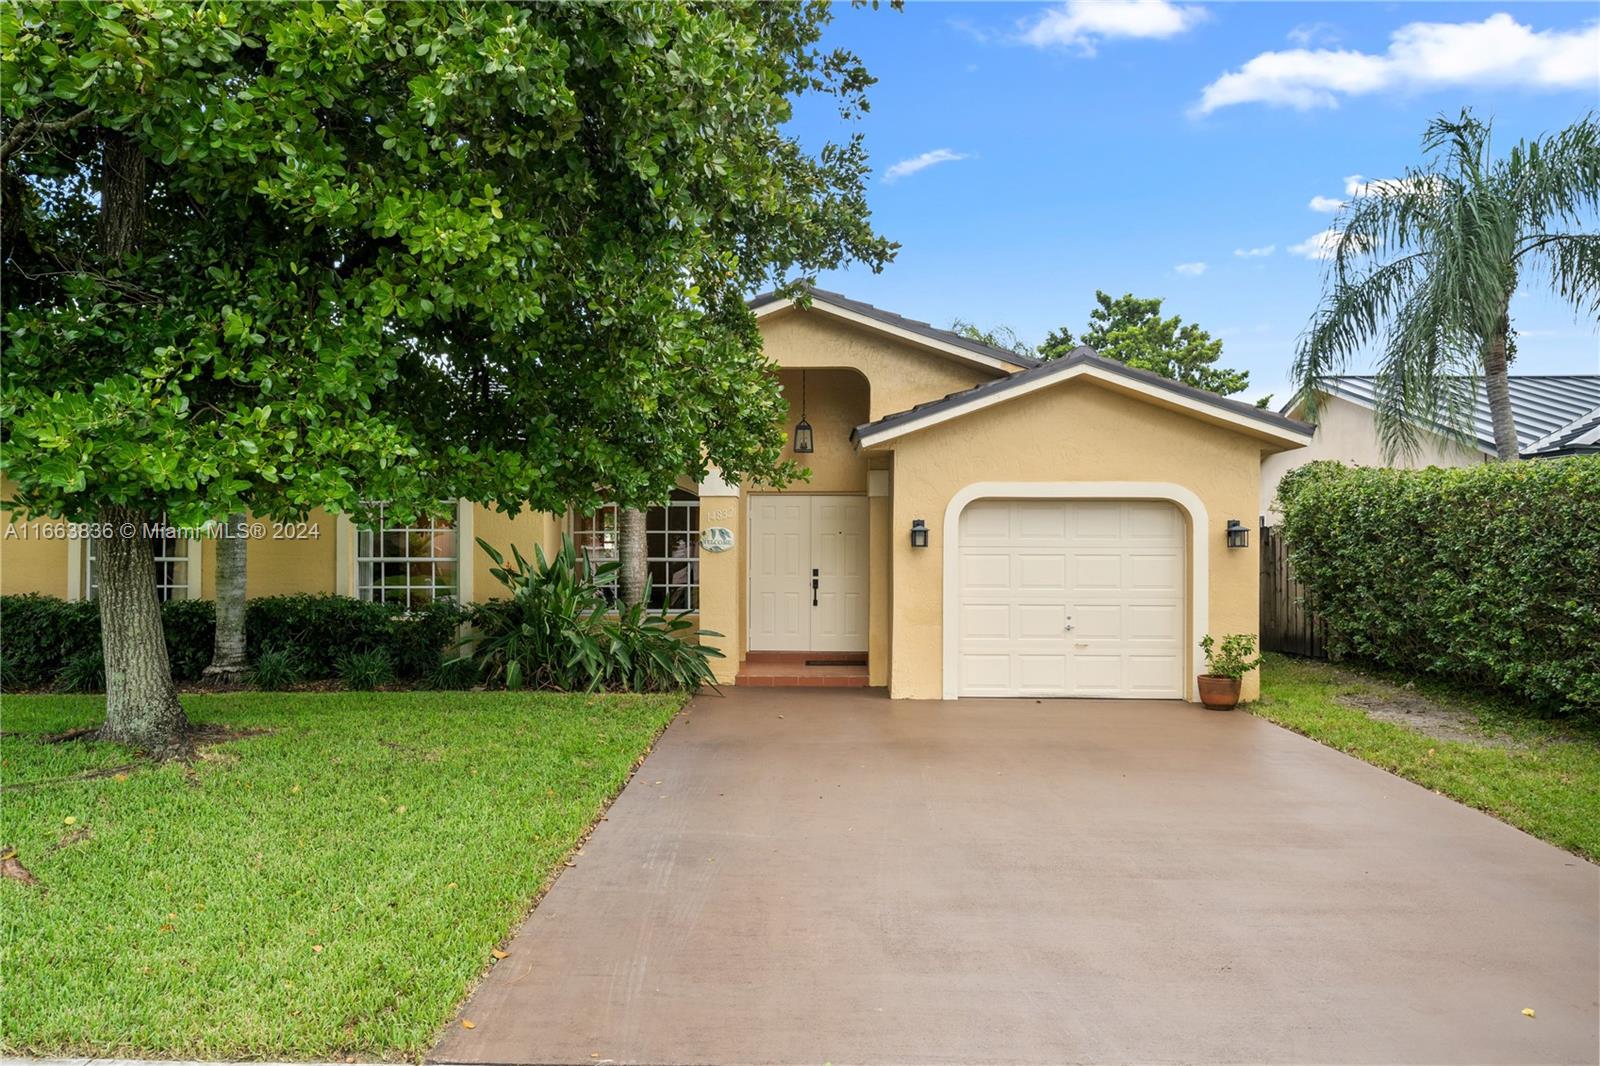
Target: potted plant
[1226,663]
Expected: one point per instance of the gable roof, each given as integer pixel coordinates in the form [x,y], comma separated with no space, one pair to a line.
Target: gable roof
[1085,362]
[1581,436]
[1544,406]
[921,334]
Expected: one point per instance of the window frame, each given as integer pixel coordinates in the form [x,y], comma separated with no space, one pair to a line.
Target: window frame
[181,551]
[582,527]
[369,580]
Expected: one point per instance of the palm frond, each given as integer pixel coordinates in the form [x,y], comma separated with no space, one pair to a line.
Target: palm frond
[1353,314]
[1573,263]
[1556,178]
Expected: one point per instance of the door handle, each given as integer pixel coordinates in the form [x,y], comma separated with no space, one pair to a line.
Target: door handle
[814,583]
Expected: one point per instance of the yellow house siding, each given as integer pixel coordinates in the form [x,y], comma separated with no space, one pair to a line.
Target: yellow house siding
[1347,432]
[527,529]
[898,374]
[836,402]
[1075,432]
[31,564]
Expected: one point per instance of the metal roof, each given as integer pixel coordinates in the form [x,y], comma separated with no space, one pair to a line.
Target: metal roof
[992,390]
[911,325]
[1542,405]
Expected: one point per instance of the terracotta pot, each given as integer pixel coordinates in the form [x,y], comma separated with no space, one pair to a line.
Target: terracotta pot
[1219,693]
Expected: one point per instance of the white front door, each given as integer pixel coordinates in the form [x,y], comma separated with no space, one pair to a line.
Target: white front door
[808,573]
[1071,598]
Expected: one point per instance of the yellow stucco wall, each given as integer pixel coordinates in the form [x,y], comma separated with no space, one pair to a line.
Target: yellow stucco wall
[836,401]
[1074,432]
[1347,432]
[527,529]
[316,556]
[898,375]
[31,561]
[854,375]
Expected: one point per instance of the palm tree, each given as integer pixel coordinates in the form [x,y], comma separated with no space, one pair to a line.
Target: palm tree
[1426,265]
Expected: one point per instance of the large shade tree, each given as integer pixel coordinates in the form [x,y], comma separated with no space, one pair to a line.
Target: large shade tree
[273,257]
[1132,330]
[1424,267]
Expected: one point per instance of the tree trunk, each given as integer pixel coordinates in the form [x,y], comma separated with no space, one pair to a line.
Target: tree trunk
[1497,385]
[632,554]
[228,649]
[142,708]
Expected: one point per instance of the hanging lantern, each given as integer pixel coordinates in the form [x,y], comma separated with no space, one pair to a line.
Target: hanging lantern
[803,442]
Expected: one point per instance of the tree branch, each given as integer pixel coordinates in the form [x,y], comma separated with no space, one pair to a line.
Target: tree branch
[25,129]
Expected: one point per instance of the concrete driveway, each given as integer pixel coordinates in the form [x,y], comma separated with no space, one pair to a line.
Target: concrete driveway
[828,876]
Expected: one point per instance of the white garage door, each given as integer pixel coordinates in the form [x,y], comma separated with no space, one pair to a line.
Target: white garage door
[1071,598]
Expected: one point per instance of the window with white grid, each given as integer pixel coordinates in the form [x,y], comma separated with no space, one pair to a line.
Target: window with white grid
[672,550]
[172,567]
[409,565]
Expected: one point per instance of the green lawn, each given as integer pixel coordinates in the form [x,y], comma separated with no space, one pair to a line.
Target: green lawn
[1539,775]
[331,886]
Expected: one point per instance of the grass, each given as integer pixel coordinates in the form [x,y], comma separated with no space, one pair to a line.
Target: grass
[330,887]
[1539,775]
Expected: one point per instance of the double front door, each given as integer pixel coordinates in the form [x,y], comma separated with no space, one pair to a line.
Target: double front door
[808,573]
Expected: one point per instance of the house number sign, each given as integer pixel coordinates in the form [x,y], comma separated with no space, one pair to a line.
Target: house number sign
[716,539]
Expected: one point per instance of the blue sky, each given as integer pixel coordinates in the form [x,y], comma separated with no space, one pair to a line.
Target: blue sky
[1119,145]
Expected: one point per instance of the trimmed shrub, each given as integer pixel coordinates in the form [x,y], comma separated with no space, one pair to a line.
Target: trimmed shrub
[85,671]
[40,635]
[1488,574]
[191,630]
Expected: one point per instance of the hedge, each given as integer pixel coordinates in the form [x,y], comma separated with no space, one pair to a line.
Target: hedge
[1487,574]
[39,635]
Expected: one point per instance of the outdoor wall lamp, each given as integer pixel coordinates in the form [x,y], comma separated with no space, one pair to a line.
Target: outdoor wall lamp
[1238,535]
[803,442]
[919,533]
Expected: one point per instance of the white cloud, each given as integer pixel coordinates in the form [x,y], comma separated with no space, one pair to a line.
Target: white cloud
[1255,253]
[1499,51]
[1309,33]
[1326,204]
[1317,246]
[907,167]
[1194,270]
[1082,24]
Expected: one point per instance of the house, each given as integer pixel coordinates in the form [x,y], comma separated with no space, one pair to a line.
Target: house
[1555,415]
[976,523]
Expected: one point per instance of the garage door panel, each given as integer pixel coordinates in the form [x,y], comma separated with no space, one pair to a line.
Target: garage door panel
[1040,520]
[1044,673]
[1153,676]
[986,621]
[979,524]
[986,572]
[1040,621]
[1148,571]
[1094,572]
[1148,522]
[1097,621]
[987,675]
[1041,573]
[1113,570]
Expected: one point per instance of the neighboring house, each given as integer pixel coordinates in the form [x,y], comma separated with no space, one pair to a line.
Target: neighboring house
[976,523]
[1556,415]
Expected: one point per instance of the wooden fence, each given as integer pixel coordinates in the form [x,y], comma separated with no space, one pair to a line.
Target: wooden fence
[1286,626]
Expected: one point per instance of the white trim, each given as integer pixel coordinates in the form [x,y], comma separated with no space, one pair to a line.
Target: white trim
[921,340]
[74,568]
[196,555]
[1199,553]
[1155,392]
[466,550]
